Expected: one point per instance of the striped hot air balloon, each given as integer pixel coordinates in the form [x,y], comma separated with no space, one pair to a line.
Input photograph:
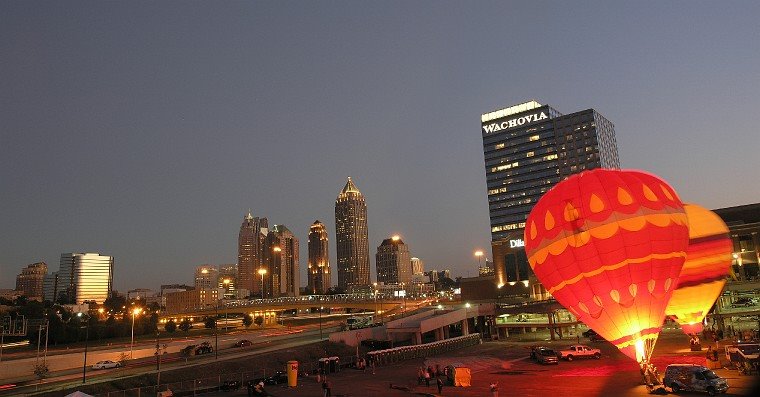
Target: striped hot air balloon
[609,246]
[708,263]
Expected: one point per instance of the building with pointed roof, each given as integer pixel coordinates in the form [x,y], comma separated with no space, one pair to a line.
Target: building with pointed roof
[351,238]
[253,231]
[319,259]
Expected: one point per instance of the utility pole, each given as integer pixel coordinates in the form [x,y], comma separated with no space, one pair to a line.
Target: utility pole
[158,359]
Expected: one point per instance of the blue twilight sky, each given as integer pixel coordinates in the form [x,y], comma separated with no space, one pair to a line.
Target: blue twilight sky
[145,130]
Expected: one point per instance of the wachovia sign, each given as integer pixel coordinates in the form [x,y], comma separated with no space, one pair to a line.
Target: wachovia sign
[515,122]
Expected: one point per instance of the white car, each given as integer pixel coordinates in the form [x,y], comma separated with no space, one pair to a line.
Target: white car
[106,364]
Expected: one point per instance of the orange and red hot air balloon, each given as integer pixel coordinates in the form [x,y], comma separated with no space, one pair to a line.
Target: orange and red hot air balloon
[609,246]
[708,263]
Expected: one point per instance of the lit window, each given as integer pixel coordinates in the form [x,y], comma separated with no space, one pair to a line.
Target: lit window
[499,146]
[530,154]
[533,138]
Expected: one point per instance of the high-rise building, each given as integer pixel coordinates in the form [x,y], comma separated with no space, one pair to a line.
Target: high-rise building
[228,280]
[418,266]
[319,259]
[50,288]
[85,277]
[206,277]
[253,231]
[283,276]
[393,262]
[528,148]
[351,238]
[31,279]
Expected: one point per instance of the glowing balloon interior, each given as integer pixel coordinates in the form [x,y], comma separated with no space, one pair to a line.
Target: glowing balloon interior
[708,263]
[609,246]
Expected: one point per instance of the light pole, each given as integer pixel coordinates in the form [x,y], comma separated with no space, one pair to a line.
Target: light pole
[226,283]
[479,255]
[403,301]
[86,340]
[262,272]
[375,284]
[135,312]
[320,322]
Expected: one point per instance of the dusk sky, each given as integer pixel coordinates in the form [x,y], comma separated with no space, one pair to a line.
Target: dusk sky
[146,130]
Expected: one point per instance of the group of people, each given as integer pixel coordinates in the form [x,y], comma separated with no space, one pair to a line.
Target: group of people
[430,373]
[257,390]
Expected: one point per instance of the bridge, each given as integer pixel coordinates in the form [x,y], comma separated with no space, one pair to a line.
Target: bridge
[374,302]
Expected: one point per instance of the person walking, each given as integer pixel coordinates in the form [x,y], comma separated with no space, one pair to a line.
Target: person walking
[427,379]
[439,383]
[420,376]
[329,388]
[324,387]
[494,389]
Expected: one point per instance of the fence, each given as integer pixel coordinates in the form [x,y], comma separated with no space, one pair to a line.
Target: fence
[396,354]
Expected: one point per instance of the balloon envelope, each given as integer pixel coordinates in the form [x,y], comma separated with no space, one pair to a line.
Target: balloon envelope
[609,245]
[703,276]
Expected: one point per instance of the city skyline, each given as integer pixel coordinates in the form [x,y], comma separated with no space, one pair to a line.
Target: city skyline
[148,134]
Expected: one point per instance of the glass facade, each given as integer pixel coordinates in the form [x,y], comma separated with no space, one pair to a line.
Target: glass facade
[528,148]
[85,277]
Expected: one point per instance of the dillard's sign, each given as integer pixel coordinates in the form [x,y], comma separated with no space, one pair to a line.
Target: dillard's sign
[531,118]
[516,243]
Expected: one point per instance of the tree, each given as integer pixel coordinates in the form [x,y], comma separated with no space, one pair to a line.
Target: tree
[170,326]
[247,321]
[209,323]
[185,325]
[259,320]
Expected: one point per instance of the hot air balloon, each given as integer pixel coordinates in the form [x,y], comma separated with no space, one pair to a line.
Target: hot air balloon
[609,246]
[708,263]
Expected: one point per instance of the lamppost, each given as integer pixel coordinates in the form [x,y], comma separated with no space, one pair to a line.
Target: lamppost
[375,284]
[479,255]
[135,312]
[262,272]
[320,322]
[158,359]
[403,301]
[86,318]
[226,283]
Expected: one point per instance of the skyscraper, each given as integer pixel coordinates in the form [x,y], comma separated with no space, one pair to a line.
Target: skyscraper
[253,231]
[85,277]
[528,148]
[393,262]
[319,259]
[30,281]
[228,280]
[351,238]
[283,276]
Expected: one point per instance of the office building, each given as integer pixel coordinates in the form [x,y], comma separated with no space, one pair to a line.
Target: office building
[206,277]
[85,277]
[393,262]
[418,266]
[528,148]
[228,280]
[253,231]
[281,262]
[351,238]
[318,268]
[31,280]
[50,291]
[196,299]
[743,223]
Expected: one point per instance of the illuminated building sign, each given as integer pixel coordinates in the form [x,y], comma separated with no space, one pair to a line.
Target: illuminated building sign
[516,243]
[515,122]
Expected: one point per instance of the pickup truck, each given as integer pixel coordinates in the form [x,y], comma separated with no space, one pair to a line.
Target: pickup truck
[578,351]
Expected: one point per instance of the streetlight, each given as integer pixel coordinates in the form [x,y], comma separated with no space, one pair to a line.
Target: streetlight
[479,255]
[320,322]
[135,312]
[86,339]
[262,272]
[226,283]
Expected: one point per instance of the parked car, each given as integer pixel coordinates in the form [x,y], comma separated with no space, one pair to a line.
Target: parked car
[277,378]
[229,385]
[243,343]
[579,351]
[544,355]
[692,377]
[204,348]
[106,364]
[588,333]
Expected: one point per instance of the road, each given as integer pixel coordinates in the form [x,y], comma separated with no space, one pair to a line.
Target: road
[71,372]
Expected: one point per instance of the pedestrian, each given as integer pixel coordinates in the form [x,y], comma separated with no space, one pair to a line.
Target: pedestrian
[329,388]
[427,379]
[494,389]
[439,383]
[438,370]
[324,387]
[420,376]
